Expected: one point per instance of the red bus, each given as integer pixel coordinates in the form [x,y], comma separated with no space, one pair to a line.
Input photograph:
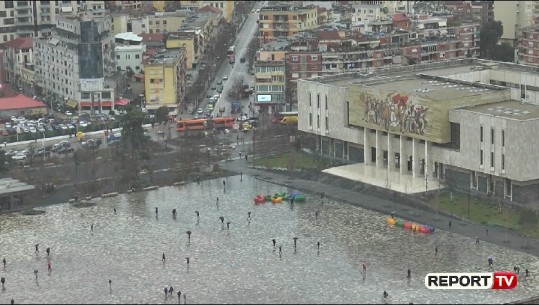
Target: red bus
[204,124]
[188,125]
[223,122]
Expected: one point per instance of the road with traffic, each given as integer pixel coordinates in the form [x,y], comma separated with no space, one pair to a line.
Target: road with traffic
[237,71]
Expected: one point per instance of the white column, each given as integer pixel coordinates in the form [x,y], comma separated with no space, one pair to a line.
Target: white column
[366,147]
[390,156]
[378,148]
[401,155]
[414,157]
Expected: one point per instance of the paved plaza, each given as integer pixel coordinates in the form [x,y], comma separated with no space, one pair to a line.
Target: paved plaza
[239,264]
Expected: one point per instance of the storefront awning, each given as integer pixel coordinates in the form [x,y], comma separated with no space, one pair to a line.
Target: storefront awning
[72,103]
[122,102]
[96,104]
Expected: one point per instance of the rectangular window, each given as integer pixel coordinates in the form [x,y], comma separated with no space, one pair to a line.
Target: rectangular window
[492,136]
[492,159]
[503,137]
[481,133]
[117,56]
[318,121]
[327,123]
[137,56]
[310,99]
[503,162]
[310,120]
[318,100]
[326,102]
[481,157]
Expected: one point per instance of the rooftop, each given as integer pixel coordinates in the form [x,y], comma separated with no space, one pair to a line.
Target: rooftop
[129,48]
[129,36]
[198,21]
[10,186]
[166,57]
[19,43]
[510,109]
[12,100]
[153,37]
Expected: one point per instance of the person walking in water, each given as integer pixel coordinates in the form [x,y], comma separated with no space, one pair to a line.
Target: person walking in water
[273,241]
[48,250]
[163,259]
[477,240]
[156,210]
[184,298]
[114,210]
[92,227]
[179,296]
[435,250]
[217,202]
[198,215]
[385,294]
[316,213]
[166,291]
[49,268]
[527,272]
[4,262]
[170,290]
[409,273]
[364,267]
[110,284]
[450,224]
[37,248]
[187,260]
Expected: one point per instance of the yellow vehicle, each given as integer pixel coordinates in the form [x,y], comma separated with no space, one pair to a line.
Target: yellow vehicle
[210,107]
[246,126]
[289,120]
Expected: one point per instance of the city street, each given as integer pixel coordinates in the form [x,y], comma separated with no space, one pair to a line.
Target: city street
[237,70]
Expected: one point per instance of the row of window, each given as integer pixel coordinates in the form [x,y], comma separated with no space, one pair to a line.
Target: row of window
[270,88]
[318,112]
[492,136]
[269,69]
[119,68]
[481,159]
[128,56]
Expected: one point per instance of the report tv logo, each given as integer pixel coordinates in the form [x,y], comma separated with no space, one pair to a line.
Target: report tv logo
[487,280]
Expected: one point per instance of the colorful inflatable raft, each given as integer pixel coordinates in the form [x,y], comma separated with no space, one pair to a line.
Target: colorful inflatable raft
[411,226]
[297,196]
[259,199]
[276,199]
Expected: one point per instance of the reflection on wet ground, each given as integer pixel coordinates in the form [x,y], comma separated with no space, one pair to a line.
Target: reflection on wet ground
[239,264]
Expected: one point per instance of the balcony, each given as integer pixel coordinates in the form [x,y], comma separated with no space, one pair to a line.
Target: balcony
[24,21]
[23,4]
[23,13]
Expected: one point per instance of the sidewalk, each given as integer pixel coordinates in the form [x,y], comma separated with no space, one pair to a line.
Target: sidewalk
[419,214]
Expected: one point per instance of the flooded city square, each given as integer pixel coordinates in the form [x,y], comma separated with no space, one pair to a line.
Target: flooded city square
[237,264]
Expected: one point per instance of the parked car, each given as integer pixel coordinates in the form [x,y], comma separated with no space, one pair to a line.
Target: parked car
[19,157]
[68,113]
[40,128]
[200,111]
[65,150]
[242,60]
[225,78]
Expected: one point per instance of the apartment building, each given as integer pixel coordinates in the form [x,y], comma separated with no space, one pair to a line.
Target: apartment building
[37,18]
[227,7]
[195,36]
[515,15]
[158,22]
[18,63]
[300,65]
[71,64]
[283,19]
[187,41]
[270,85]
[128,51]
[129,5]
[528,46]
[164,80]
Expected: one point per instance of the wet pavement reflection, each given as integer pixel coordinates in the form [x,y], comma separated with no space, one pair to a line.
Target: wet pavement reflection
[237,264]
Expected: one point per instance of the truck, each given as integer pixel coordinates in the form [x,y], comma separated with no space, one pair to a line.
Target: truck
[236,106]
[290,120]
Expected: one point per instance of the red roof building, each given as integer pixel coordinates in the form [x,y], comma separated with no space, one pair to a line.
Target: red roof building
[13,103]
[401,21]
[19,43]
